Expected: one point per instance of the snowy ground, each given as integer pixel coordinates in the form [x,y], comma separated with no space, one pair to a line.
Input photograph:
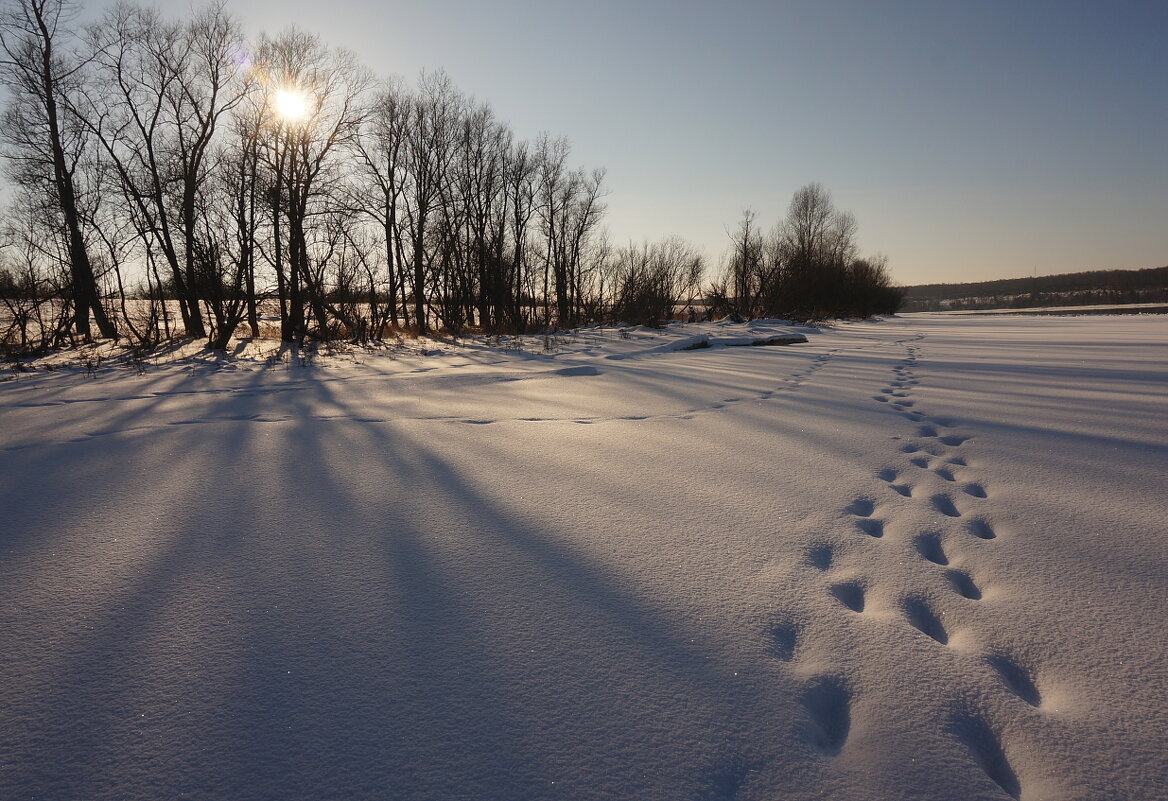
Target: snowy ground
[923,558]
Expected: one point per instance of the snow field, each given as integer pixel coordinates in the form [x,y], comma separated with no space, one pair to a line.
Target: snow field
[918,558]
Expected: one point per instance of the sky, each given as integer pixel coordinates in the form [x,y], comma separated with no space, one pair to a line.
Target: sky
[972,140]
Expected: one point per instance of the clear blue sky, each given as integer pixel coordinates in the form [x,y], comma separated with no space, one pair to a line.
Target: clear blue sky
[971,139]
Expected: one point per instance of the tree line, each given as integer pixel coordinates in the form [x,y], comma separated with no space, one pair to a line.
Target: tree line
[806,267]
[1091,287]
[171,177]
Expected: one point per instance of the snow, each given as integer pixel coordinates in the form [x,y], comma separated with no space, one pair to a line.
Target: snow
[916,558]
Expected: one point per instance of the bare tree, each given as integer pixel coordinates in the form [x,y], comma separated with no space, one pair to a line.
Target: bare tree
[162,90]
[34,278]
[314,112]
[41,68]
[521,179]
[652,278]
[379,193]
[430,148]
[806,268]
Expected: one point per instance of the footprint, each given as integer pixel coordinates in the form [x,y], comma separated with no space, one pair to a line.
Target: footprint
[920,461]
[959,461]
[975,490]
[929,547]
[862,507]
[828,704]
[945,473]
[944,505]
[880,398]
[986,750]
[871,526]
[888,474]
[981,528]
[784,640]
[963,584]
[1016,678]
[726,777]
[953,439]
[901,489]
[850,594]
[821,556]
[926,431]
[922,447]
[922,618]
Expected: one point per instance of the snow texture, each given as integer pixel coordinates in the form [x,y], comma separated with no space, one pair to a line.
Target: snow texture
[913,558]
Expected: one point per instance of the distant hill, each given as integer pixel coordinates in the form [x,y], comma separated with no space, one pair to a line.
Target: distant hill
[1068,289]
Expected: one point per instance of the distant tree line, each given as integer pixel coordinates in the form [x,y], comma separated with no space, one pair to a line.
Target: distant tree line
[172,178]
[806,267]
[1092,287]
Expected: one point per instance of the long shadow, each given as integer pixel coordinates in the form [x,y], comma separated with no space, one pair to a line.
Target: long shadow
[331,609]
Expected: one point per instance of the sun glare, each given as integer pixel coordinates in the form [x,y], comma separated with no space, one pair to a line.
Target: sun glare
[290,105]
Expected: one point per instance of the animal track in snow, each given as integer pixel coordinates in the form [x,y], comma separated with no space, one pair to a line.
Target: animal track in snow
[921,447]
[975,490]
[944,505]
[963,584]
[953,440]
[828,703]
[862,507]
[922,618]
[981,528]
[1016,678]
[785,639]
[889,476]
[929,547]
[919,461]
[726,777]
[821,556]
[945,473]
[986,749]
[850,594]
[871,526]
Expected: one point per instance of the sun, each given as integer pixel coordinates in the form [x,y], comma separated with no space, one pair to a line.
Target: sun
[290,105]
